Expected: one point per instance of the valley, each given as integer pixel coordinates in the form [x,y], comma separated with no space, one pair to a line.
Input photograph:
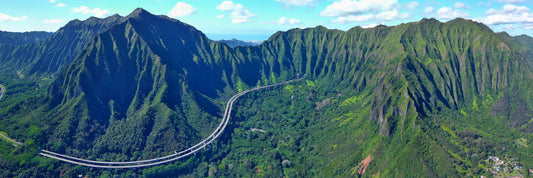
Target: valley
[161,160]
[418,99]
[4,137]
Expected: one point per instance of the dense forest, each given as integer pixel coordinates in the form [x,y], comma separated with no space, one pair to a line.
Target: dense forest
[421,99]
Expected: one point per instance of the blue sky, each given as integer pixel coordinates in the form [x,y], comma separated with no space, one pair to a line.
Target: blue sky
[258,19]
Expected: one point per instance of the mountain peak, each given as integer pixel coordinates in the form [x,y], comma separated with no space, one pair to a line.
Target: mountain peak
[468,21]
[459,19]
[139,10]
[139,13]
[524,36]
[321,27]
[430,20]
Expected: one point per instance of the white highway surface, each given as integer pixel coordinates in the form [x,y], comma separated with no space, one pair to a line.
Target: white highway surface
[164,159]
[2,90]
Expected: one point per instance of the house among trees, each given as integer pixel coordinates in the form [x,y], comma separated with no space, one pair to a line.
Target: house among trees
[497,169]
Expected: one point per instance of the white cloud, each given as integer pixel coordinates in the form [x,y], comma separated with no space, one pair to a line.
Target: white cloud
[508,14]
[411,5]
[348,11]
[354,18]
[53,21]
[392,15]
[228,6]
[221,16]
[355,7]
[510,27]
[528,26]
[96,12]
[287,21]
[299,2]
[5,17]
[508,9]
[181,9]
[449,13]
[461,5]
[511,1]
[238,14]
[61,5]
[372,25]
[429,10]
[52,1]
[383,16]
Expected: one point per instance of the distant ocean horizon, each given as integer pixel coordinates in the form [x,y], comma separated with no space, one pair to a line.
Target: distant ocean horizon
[242,37]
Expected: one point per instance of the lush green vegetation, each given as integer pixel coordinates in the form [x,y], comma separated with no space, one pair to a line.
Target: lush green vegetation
[22,38]
[423,99]
[41,54]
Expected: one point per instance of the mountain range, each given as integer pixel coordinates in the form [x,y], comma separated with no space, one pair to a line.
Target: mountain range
[54,52]
[421,99]
[22,38]
[234,43]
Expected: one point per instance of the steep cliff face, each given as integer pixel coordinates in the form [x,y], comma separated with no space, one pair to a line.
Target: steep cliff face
[52,54]
[527,41]
[150,64]
[63,46]
[427,65]
[132,84]
[149,85]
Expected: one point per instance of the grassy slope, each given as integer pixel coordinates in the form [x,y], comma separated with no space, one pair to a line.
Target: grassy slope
[410,96]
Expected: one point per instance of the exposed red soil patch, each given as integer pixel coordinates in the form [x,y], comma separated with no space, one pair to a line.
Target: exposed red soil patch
[365,163]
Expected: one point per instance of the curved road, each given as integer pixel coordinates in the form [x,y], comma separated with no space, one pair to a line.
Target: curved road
[164,159]
[15,143]
[2,90]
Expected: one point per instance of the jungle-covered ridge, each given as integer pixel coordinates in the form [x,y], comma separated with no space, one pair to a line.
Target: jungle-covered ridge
[420,99]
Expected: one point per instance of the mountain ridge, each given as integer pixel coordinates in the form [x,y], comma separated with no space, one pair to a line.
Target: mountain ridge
[19,38]
[57,51]
[236,43]
[399,96]
[407,94]
[142,69]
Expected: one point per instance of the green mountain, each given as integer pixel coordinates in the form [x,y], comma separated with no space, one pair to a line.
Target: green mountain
[56,52]
[422,99]
[22,38]
[527,41]
[137,84]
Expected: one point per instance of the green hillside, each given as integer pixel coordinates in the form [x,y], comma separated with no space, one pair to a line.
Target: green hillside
[422,99]
[52,54]
[18,38]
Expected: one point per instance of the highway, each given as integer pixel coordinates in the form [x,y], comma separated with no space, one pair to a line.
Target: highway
[15,143]
[2,91]
[165,159]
